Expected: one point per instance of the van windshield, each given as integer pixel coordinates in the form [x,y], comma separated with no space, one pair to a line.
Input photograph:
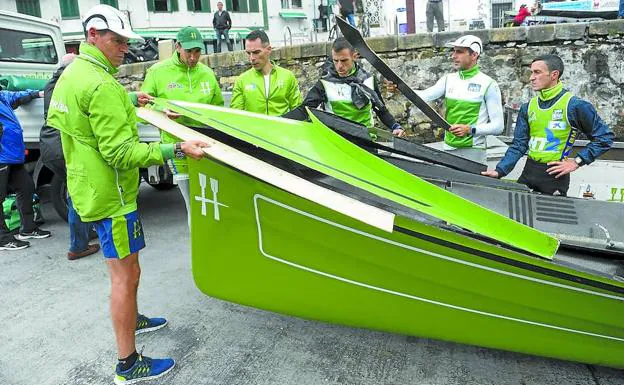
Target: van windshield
[27,47]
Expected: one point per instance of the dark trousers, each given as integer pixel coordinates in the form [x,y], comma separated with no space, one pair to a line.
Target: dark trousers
[435,10]
[225,33]
[537,179]
[16,178]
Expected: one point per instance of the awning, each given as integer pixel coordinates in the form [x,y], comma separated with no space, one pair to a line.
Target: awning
[293,15]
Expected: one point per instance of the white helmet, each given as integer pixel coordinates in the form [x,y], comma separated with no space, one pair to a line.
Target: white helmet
[468,41]
[104,16]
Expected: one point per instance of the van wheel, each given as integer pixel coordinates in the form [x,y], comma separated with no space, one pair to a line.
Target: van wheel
[58,196]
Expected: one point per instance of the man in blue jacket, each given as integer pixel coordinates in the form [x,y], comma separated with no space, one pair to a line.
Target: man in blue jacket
[547,127]
[13,175]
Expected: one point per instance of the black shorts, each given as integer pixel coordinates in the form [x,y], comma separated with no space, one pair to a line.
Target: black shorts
[536,178]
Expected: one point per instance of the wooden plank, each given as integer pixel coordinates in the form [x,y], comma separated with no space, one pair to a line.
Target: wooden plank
[365,213]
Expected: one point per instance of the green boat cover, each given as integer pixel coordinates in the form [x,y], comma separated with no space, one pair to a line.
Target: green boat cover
[314,145]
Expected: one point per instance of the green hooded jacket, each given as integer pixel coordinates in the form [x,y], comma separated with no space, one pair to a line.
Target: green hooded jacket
[172,79]
[249,93]
[100,139]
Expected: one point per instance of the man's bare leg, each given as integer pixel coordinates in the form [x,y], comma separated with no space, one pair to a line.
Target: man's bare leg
[125,274]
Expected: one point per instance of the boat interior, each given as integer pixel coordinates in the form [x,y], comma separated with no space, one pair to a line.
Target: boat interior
[444,171]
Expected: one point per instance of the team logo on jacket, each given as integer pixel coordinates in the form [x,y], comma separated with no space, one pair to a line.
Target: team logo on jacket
[474,87]
[250,87]
[173,85]
[532,116]
[557,126]
[557,115]
[280,84]
[205,87]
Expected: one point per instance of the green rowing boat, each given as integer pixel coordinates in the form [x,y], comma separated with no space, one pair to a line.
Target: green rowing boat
[290,217]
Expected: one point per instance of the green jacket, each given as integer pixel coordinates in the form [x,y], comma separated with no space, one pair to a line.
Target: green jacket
[172,79]
[100,139]
[249,93]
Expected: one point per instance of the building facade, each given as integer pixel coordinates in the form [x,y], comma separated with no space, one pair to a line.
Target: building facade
[163,18]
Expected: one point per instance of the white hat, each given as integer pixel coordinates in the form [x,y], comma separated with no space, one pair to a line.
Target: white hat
[104,16]
[468,41]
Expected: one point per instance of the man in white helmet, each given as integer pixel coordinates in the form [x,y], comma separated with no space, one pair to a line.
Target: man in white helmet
[97,120]
[472,100]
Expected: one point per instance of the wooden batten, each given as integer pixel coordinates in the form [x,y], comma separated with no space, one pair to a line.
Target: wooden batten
[365,213]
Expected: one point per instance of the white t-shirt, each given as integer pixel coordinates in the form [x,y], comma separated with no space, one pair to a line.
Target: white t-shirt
[267,83]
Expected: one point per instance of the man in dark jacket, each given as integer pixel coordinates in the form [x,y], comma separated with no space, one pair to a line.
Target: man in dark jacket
[547,127]
[13,175]
[52,157]
[222,24]
[347,90]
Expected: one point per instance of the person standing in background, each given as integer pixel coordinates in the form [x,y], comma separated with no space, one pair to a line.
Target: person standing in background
[13,174]
[222,23]
[435,10]
[347,10]
[52,157]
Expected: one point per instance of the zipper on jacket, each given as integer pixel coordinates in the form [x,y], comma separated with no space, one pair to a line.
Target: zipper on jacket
[267,92]
[188,75]
[119,189]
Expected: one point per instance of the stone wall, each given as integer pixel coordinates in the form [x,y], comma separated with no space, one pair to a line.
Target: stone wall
[593,54]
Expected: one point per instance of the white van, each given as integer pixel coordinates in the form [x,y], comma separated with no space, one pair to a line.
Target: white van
[31,48]
[30,52]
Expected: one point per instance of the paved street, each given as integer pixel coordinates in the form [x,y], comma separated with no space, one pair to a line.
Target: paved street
[55,329]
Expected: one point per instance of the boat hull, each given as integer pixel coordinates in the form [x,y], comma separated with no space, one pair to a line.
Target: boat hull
[270,249]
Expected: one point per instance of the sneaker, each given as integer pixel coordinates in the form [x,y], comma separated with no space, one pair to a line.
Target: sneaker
[91,249]
[13,244]
[144,368]
[145,324]
[36,234]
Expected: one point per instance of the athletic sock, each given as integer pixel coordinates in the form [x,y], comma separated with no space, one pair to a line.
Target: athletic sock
[126,363]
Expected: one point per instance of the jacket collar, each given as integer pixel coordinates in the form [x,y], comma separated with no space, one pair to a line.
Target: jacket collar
[175,59]
[550,93]
[273,69]
[467,74]
[92,54]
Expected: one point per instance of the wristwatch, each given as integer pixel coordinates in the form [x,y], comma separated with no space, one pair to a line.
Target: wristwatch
[177,151]
[473,130]
[579,161]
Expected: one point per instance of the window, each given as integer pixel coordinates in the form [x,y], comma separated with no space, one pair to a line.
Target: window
[28,7]
[291,3]
[112,3]
[236,5]
[69,9]
[162,5]
[198,5]
[498,13]
[253,6]
[26,47]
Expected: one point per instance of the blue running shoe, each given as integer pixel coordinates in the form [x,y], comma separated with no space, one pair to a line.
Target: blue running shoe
[145,324]
[144,369]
